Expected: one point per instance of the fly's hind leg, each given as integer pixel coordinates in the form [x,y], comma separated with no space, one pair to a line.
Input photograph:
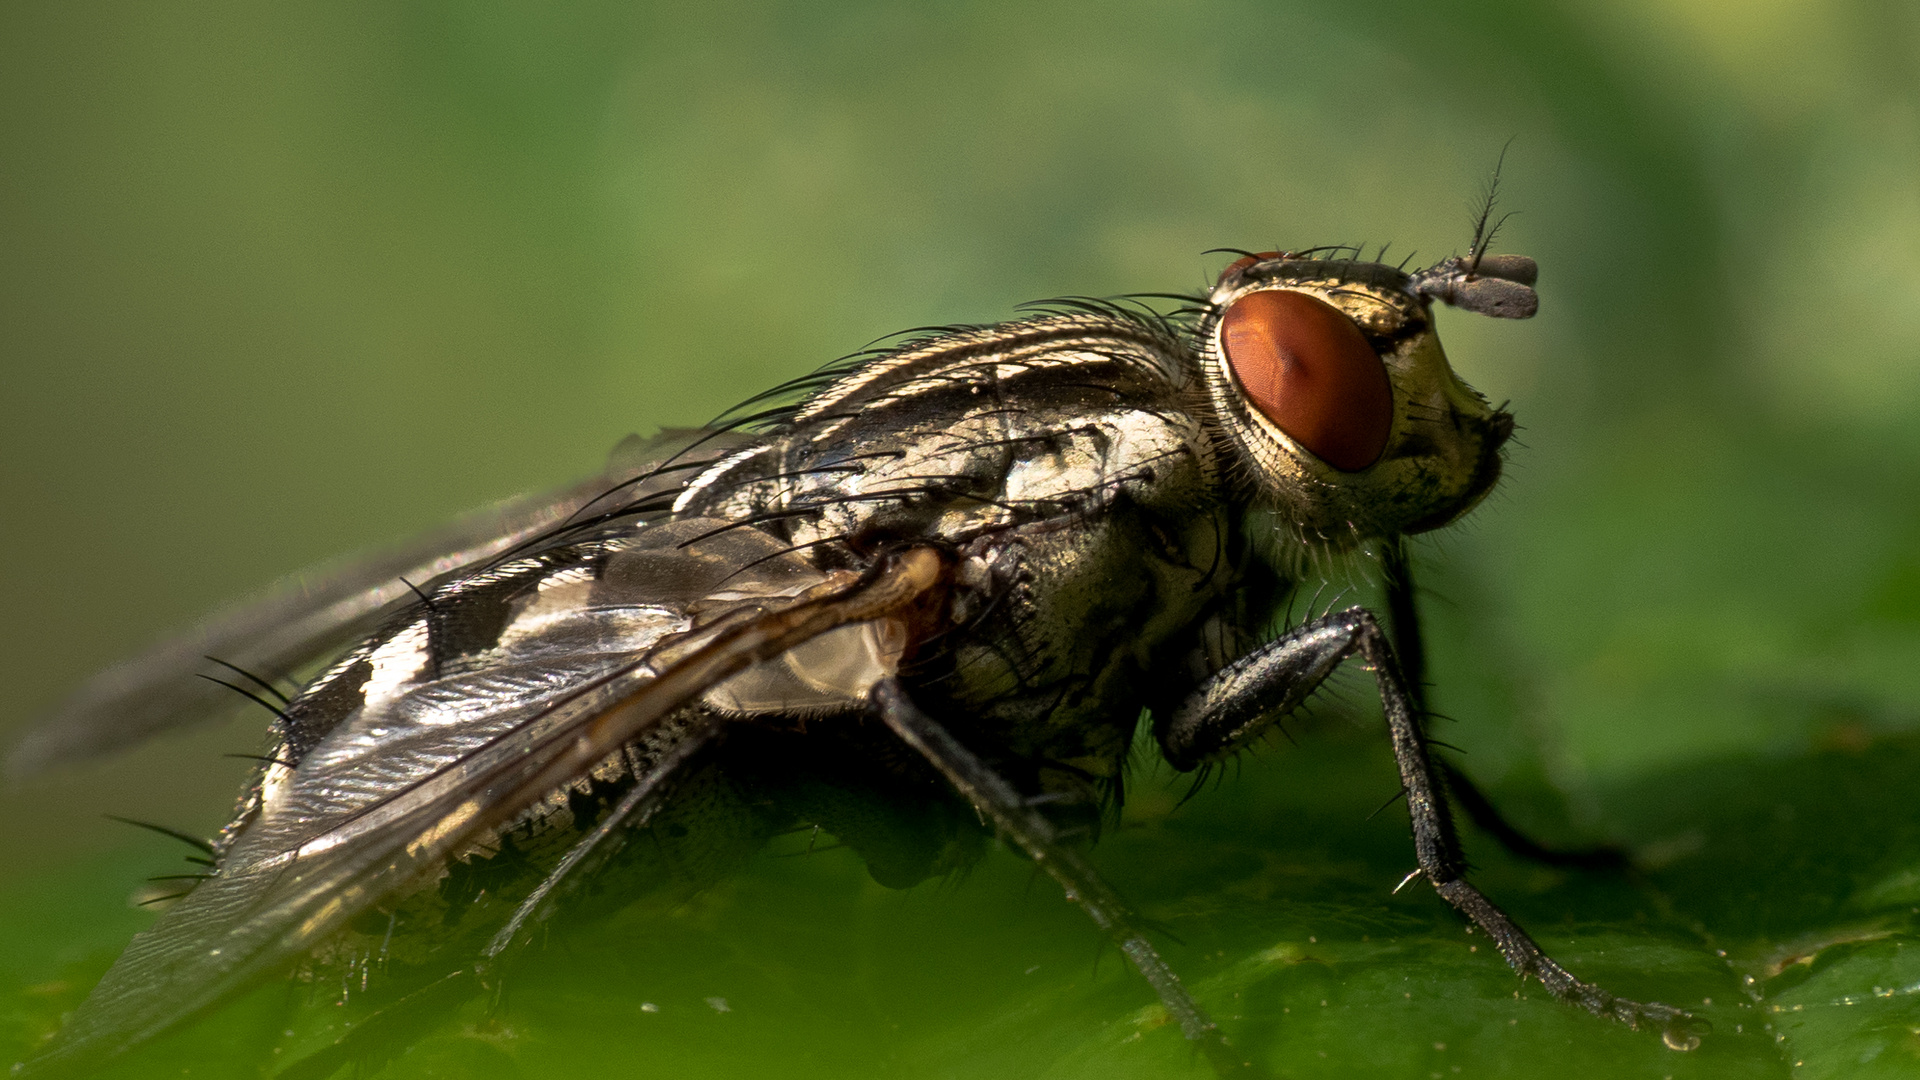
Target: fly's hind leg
[1238,704]
[1020,824]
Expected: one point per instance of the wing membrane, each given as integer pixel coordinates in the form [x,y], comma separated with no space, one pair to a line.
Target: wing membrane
[320,611]
[425,768]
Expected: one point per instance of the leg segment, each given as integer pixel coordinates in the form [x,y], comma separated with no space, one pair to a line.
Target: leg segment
[1488,818]
[1403,615]
[1025,827]
[634,808]
[1239,703]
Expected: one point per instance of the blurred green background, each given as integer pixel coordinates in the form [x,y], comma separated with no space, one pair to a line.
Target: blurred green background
[280,281]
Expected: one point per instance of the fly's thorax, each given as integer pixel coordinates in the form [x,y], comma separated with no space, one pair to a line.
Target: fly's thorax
[1059,633]
[1328,380]
[972,431]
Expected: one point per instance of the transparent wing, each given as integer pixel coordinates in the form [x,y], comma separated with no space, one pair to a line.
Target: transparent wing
[600,653]
[317,612]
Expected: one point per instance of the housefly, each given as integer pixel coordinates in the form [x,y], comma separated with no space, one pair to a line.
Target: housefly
[953,571]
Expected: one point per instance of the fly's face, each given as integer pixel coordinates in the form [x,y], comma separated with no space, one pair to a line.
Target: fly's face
[1330,381]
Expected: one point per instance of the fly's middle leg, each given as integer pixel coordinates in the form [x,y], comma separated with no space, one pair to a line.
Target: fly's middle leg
[1238,704]
[1020,824]
[1403,614]
[1488,818]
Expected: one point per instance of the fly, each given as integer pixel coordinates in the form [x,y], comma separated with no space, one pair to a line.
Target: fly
[952,571]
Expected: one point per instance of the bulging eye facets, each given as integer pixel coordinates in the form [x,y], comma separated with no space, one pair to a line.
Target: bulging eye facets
[1305,365]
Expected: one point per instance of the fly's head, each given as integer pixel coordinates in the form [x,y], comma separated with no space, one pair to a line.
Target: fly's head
[1328,378]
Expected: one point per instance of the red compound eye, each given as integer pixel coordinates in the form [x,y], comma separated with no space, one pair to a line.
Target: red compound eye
[1305,365]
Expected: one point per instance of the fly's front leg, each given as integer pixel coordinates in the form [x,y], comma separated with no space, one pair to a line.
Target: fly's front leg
[1238,704]
[1025,827]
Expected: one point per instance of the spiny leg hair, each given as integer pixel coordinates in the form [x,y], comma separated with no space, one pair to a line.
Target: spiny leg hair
[1237,704]
[1020,824]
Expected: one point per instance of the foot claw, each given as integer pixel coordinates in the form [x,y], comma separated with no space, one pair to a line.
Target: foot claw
[1679,1029]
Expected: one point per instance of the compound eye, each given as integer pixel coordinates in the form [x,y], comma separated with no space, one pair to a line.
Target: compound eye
[1306,366]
